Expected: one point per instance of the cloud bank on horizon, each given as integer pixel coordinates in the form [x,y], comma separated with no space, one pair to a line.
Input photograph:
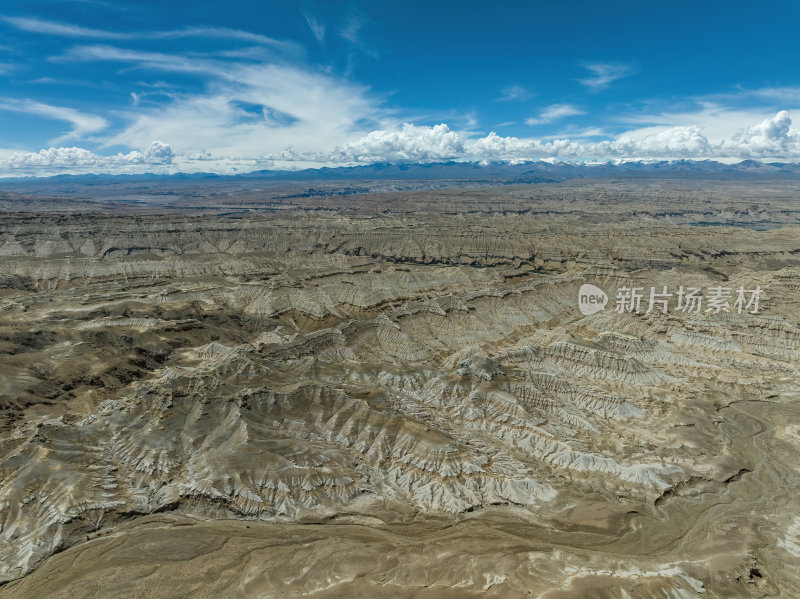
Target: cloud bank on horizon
[109,90]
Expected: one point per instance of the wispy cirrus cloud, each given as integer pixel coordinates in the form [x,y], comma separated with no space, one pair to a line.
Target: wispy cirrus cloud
[155,60]
[222,33]
[353,25]
[82,124]
[245,109]
[44,27]
[514,92]
[555,112]
[316,27]
[351,32]
[604,73]
[32,25]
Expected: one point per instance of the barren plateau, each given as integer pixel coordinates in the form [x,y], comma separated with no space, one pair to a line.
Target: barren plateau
[278,393]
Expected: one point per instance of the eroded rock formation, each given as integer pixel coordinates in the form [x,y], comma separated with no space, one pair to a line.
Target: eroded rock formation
[382,375]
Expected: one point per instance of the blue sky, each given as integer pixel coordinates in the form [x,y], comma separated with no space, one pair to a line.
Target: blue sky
[109,86]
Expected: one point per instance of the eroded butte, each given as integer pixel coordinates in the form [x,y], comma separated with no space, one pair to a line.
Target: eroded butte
[396,395]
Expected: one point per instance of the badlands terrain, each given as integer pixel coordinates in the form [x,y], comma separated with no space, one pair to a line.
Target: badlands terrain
[350,390]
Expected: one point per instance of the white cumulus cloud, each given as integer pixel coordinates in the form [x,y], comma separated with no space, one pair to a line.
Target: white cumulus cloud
[74,159]
[411,143]
[686,141]
[771,137]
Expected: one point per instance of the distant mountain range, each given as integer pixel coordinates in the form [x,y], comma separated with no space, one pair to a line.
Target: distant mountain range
[508,173]
[534,172]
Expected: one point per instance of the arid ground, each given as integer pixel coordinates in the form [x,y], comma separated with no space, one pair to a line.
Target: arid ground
[270,392]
